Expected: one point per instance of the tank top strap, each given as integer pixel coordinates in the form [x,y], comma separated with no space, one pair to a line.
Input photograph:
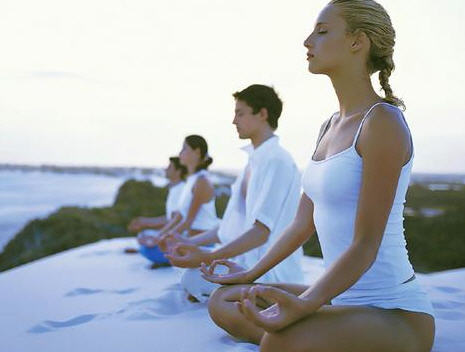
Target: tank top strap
[365,116]
[323,132]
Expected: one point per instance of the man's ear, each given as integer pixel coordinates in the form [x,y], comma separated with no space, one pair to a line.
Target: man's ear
[263,114]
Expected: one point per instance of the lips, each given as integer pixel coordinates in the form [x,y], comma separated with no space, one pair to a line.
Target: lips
[310,56]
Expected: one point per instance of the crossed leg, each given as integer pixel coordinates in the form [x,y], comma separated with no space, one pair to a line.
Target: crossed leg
[331,328]
[224,313]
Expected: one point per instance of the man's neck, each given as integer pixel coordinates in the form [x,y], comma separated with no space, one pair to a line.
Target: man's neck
[261,137]
[173,183]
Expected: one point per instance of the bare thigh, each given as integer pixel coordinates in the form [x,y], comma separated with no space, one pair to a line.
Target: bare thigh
[225,314]
[355,328]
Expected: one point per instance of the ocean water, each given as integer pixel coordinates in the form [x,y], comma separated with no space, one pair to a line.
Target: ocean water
[34,194]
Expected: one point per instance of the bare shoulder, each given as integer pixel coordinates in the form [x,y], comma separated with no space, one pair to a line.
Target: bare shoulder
[203,184]
[385,134]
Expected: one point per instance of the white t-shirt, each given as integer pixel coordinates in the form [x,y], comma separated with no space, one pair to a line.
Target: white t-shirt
[273,194]
[172,201]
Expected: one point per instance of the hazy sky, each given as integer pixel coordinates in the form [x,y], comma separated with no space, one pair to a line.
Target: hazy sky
[121,82]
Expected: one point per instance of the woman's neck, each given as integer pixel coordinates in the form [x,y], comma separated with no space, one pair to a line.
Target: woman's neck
[191,169]
[354,92]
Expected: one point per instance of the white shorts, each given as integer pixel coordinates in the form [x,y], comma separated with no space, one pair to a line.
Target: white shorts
[408,296]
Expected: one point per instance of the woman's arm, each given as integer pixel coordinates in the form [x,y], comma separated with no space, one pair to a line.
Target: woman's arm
[202,192]
[207,237]
[293,237]
[384,147]
[175,220]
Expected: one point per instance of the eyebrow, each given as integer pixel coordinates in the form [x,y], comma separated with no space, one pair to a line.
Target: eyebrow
[320,23]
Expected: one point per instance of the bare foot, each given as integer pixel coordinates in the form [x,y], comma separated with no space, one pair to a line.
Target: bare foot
[192,299]
[159,265]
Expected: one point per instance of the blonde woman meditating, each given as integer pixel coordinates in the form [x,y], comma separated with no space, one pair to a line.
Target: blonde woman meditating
[354,190]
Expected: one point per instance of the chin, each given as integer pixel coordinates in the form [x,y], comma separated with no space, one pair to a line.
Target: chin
[313,69]
[241,136]
[316,69]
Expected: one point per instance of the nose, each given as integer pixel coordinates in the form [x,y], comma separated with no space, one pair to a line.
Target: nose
[234,121]
[308,42]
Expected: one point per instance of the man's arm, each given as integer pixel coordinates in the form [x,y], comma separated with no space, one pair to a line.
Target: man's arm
[251,239]
[191,256]
[141,223]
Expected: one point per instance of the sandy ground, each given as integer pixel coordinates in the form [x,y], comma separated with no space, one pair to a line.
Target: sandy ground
[96,298]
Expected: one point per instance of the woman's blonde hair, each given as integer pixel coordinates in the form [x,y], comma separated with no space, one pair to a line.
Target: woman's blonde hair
[371,18]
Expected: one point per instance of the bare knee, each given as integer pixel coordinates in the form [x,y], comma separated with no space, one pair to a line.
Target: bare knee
[275,342]
[216,304]
[220,309]
[226,316]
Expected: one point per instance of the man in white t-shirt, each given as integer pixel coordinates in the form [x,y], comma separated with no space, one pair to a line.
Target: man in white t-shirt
[264,200]
[147,227]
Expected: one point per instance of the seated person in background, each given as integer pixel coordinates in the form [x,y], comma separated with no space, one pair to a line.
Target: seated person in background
[176,174]
[263,202]
[195,212]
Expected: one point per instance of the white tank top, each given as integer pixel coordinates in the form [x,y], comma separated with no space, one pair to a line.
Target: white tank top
[206,217]
[333,184]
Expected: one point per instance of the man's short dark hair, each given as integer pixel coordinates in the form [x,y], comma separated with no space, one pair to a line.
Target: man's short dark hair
[178,166]
[258,96]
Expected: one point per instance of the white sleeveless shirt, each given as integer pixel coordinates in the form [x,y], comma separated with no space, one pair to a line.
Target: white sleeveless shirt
[206,217]
[333,184]
[172,201]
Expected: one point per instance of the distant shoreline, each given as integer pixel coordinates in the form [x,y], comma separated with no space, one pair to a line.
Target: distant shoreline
[135,171]
[111,171]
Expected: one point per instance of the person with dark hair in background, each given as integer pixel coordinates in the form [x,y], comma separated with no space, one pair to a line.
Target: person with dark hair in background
[148,226]
[263,202]
[195,211]
[176,174]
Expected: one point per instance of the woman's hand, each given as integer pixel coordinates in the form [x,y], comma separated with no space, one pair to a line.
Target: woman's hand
[236,274]
[286,310]
[186,255]
[167,241]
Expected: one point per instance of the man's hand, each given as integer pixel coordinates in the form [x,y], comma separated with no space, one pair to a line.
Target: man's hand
[136,225]
[186,255]
[236,274]
[147,240]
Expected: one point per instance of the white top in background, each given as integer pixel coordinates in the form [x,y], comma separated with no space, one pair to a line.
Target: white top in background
[206,218]
[172,201]
[273,194]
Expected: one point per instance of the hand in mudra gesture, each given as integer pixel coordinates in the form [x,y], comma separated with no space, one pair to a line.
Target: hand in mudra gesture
[236,274]
[286,309]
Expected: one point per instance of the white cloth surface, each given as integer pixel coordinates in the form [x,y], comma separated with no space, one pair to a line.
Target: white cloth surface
[193,282]
[96,299]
